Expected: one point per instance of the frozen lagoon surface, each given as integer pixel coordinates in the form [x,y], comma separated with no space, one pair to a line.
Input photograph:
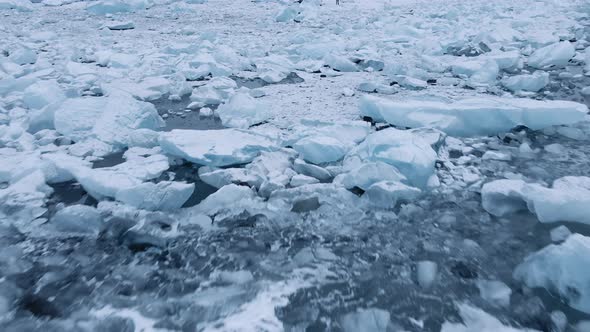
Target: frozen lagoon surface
[382,165]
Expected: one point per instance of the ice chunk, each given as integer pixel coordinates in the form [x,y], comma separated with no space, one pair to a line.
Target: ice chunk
[321,149]
[506,60]
[496,155]
[317,172]
[24,200]
[102,183]
[475,319]
[230,200]
[301,180]
[243,111]
[149,88]
[562,269]
[559,320]
[560,233]
[78,219]
[110,119]
[351,132]
[215,91]
[128,25]
[477,116]
[494,292]
[16,4]
[224,176]
[411,82]
[426,272]
[108,181]
[503,197]
[312,197]
[486,75]
[42,94]
[23,55]
[387,194]
[59,166]
[287,14]
[568,200]
[234,277]
[367,174]
[165,195]
[340,63]
[223,147]
[409,152]
[533,82]
[105,7]
[554,55]
[366,320]
[268,172]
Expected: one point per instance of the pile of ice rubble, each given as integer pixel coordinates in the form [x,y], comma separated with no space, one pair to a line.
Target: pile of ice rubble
[60,113]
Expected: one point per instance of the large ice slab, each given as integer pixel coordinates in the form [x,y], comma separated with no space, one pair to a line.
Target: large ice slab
[223,147]
[110,119]
[475,116]
[562,269]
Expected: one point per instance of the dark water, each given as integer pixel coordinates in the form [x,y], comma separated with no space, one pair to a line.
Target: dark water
[255,83]
[177,118]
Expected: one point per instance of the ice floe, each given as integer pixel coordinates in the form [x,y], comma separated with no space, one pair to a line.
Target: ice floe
[476,116]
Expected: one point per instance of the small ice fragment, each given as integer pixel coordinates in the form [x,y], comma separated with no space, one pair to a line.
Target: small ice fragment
[426,272]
